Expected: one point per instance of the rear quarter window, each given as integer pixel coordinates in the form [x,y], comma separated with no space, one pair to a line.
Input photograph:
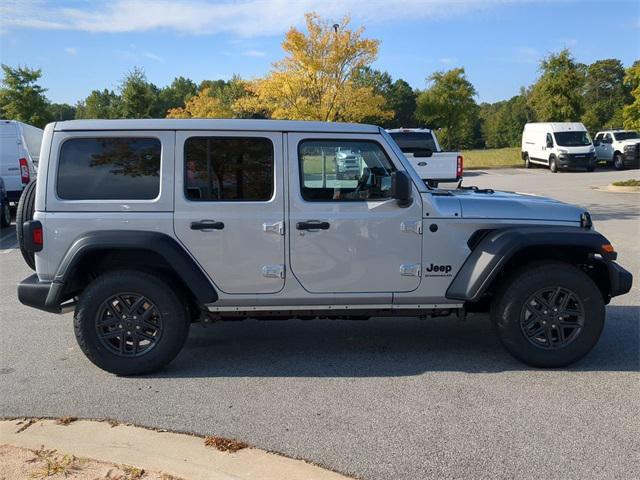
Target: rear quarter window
[109,168]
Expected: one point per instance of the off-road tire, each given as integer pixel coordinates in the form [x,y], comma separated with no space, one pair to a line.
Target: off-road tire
[553,164]
[509,303]
[175,321]
[24,213]
[5,215]
[527,161]
[618,161]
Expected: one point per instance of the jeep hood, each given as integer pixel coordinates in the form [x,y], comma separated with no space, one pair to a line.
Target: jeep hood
[514,206]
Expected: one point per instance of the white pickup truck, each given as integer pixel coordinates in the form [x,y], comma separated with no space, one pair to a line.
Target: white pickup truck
[618,147]
[421,147]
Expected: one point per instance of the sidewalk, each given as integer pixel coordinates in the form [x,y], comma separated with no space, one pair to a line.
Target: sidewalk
[180,455]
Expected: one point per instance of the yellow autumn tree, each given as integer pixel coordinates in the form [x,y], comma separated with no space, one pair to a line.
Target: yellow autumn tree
[315,80]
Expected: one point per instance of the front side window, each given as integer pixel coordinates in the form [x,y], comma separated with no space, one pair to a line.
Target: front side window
[572,139]
[109,168]
[228,169]
[549,140]
[344,170]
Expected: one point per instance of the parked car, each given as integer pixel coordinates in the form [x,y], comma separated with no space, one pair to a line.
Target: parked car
[348,164]
[432,164]
[621,148]
[19,151]
[558,145]
[116,234]
[5,212]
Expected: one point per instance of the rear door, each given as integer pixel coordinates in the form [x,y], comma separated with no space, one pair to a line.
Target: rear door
[229,207]
[9,156]
[349,235]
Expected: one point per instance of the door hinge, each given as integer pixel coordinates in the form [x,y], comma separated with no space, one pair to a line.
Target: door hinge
[414,226]
[273,271]
[411,269]
[277,227]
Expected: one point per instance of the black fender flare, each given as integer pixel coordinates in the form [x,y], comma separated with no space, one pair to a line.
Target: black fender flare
[495,249]
[167,247]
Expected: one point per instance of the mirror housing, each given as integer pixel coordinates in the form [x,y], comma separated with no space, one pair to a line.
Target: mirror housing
[596,143]
[422,152]
[401,188]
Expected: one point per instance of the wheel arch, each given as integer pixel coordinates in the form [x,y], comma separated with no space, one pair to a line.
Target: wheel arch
[503,251]
[97,252]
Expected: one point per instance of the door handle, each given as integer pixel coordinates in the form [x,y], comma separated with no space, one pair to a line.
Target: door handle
[207,225]
[312,225]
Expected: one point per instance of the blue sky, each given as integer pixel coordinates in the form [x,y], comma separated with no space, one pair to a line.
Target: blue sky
[85,45]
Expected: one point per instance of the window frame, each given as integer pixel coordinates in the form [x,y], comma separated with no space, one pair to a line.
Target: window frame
[94,135]
[338,139]
[229,137]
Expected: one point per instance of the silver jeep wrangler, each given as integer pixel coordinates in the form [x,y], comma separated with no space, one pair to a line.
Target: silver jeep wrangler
[142,227]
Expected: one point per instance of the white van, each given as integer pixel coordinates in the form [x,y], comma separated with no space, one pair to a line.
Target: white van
[558,145]
[19,151]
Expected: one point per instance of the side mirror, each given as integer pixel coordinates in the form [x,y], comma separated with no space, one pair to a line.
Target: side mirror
[401,188]
[422,153]
[596,143]
[549,144]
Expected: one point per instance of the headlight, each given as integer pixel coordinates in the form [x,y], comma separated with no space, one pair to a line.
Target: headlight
[563,150]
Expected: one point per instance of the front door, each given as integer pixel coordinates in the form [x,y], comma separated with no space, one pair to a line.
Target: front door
[347,235]
[229,207]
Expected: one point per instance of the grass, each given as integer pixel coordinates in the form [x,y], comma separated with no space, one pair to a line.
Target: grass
[492,158]
[54,464]
[633,182]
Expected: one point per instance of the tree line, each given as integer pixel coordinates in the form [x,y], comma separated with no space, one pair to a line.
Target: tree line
[327,75]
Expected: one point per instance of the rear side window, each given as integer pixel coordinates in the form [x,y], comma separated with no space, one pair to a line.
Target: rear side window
[409,142]
[109,168]
[228,169]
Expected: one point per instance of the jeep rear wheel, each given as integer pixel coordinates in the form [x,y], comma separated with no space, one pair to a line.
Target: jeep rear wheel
[549,314]
[130,322]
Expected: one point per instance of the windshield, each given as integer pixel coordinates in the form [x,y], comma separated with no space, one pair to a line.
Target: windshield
[409,142]
[572,139]
[620,136]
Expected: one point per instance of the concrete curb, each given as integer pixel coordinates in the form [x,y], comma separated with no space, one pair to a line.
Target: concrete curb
[182,455]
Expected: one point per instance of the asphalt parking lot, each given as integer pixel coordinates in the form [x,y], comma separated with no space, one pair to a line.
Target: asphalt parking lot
[383,399]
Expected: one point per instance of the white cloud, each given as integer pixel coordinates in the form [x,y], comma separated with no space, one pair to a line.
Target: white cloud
[241,17]
[446,60]
[71,50]
[153,56]
[253,53]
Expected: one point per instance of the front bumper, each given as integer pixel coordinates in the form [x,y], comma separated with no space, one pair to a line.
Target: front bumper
[41,295]
[631,156]
[570,160]
[620,280]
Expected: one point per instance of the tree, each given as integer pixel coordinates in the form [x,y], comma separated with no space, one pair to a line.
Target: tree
[21,98]
[99,104]
[315,81]
[217,99]
[62,111]
[557,94]
[631,113]
[604,95]
[176,94]
[138,97]
[503,122]
[402,100]
[449,104]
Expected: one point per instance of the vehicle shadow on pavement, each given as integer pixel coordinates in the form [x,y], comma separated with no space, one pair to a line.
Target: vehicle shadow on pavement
[377,348]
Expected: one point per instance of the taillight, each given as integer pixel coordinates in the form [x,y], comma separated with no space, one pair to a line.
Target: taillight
[33,235]
[459,166]
[24,171]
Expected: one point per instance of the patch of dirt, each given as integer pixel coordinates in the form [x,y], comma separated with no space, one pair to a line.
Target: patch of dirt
[24,464]
[225,444]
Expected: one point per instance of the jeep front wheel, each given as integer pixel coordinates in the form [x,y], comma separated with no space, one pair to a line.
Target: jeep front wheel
[130,323]
[549,314]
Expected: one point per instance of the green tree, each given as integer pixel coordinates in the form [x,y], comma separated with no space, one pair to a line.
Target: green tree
[62,111]
[176,94]
[21,98]
[503,122]
[448,104]
[402,100]
[604,95]
[557,94]
[138,97]
[99,104]
[631,113]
